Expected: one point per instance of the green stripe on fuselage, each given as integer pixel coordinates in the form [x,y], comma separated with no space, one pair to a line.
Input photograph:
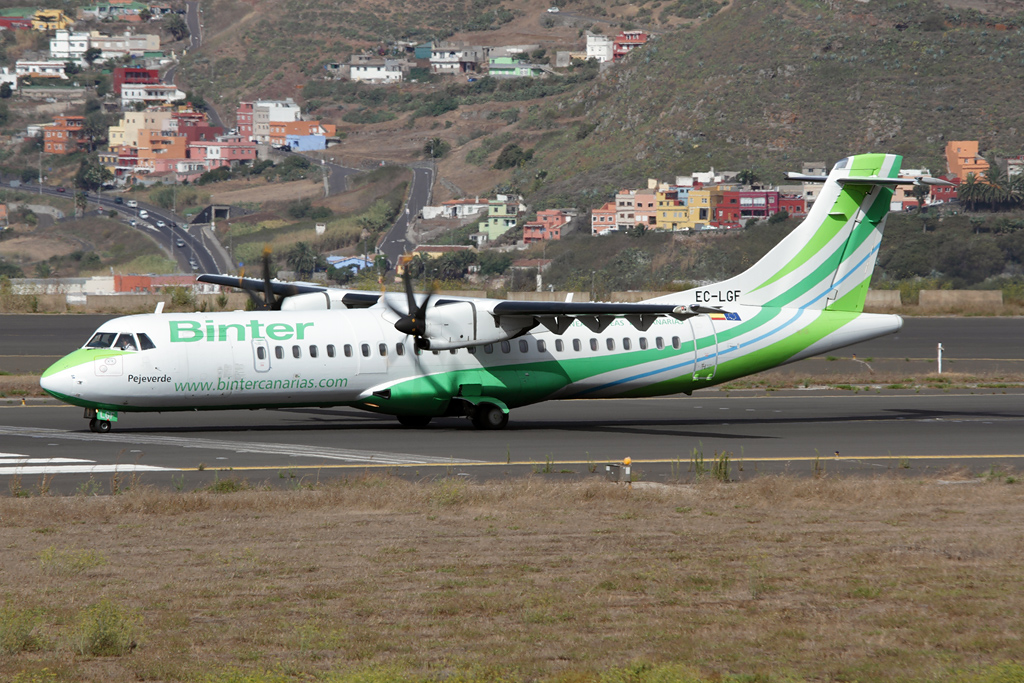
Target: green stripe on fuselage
[81,357]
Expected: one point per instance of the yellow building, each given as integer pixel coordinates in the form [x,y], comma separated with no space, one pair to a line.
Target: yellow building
[126,132]
[670,211]
[51,20]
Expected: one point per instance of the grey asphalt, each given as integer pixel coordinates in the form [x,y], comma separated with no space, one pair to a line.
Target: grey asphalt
[669,439]
[396,242]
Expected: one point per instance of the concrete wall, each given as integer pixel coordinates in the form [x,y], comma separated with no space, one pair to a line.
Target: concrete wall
[960,299]
[883,298]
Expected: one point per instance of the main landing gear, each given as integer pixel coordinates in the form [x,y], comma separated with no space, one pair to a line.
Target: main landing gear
[99,426]
[489,416]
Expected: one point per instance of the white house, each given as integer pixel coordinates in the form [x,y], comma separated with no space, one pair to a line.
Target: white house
[69,46]
[599,47]
[278,111]
[149,94]
[40,67]
[449,58]
[375,70]
[9,77]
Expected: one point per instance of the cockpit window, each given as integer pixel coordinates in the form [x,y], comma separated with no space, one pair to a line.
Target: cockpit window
[842,163]
[102,340]
[145,343]
[126,342]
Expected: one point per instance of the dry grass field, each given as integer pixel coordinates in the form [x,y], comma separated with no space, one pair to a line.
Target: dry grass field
[378,579]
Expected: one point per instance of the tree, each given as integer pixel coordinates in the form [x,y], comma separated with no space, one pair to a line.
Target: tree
[5,91]
[81,203]
[71,69]
[302,257]
[91,175]
[145,15]
[970,191]
[920,192]
[435,148]
[511,156]
[176,26]
[92,54]
[746,177]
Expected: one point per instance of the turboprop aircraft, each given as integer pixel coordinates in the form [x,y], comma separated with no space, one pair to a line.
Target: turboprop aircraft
[424,356]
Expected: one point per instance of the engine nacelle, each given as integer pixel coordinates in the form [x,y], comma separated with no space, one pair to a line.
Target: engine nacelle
[458,324]
[315,301]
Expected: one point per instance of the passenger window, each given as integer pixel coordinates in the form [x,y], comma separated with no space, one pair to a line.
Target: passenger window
[400,349]
[126,342]
[101,340]
[261,353]
[559,346]
[675,343]
[313,351]
[453,351]
[593,344]
[382,349]
[488,348]
[576,345]
[297,351]
[348,350]
[279,352]
[524,346]
[659,342]
[643,342]
[331,351]
[365,350]
[541,346]
[506,347]
[610,343]
[627,344]
[145,343]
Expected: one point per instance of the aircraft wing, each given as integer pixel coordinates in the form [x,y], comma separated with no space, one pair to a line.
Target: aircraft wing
[350,298]
[558,316]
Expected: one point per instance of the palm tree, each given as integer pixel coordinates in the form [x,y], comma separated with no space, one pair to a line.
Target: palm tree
[997,181]
[971,190]
[302,258]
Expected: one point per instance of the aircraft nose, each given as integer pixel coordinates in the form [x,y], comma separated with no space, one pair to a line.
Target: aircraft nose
[57,380]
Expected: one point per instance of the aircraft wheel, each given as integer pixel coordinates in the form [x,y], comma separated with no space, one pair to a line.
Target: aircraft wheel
[103,426]
[414,421]
[92,425]
[489,416]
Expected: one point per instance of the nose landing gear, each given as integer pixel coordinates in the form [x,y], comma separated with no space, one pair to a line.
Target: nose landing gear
[100,421]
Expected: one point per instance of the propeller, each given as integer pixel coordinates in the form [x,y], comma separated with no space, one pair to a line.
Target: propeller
[270,301]
[414,321]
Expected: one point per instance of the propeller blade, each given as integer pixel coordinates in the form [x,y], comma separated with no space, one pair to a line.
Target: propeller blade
[270,302]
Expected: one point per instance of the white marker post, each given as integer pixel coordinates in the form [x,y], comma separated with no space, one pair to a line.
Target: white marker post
[940,357]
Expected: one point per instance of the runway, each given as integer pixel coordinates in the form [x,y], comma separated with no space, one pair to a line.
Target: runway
[796,432]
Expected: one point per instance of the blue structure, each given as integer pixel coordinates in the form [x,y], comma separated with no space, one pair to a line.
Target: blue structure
[356,262]
[306,143]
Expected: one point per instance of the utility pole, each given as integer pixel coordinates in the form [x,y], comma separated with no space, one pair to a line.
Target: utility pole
[40,171]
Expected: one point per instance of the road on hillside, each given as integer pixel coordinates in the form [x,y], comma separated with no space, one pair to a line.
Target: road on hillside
[198,245]
[397,241]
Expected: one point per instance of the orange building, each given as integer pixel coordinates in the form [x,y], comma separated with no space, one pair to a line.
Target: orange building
[160,151]
[65,136]
[280,130]
[962,158]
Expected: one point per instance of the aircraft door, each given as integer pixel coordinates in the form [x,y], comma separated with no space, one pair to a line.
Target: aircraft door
[261,355]
[705,347]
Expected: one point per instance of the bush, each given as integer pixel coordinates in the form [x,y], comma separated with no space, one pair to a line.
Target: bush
[18,631]
[106,630]
[513,155]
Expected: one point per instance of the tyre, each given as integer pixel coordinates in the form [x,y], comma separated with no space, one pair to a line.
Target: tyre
[92,425]
[103,426]
[489,416]
[414,421]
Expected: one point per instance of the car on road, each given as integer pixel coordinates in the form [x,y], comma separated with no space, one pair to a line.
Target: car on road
[553,10]
[161,224]
[143,214]
[133,222]
[192,262]
[132,204]
[180,242]
[61,189]
[119,200]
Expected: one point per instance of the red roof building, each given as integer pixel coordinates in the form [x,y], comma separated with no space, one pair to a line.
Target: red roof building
[626,42]
[133,75]
[548,226]
[603,220]
[244,120]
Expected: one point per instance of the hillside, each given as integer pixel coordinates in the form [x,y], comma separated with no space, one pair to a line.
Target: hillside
[769,85]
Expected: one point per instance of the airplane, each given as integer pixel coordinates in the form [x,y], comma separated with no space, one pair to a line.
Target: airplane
[422,356]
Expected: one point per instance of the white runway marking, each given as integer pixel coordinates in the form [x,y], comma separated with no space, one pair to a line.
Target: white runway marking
[18,464]
[241,447]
